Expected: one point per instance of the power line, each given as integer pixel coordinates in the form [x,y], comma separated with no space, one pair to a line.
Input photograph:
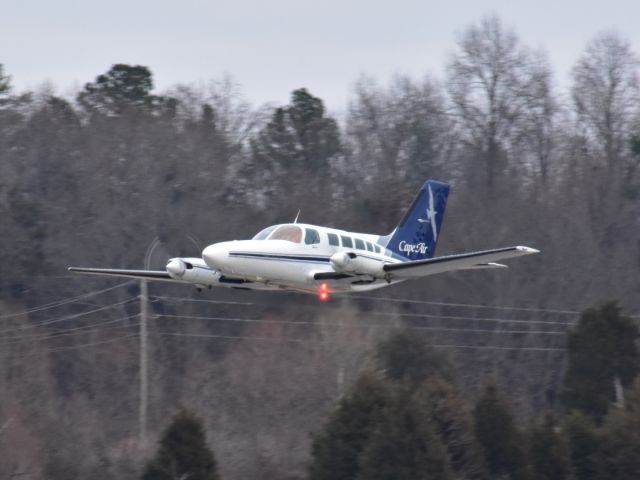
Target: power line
[66,301]
[368,325]
[389,299]
[467,305]
[298,340]
[179,299]
[64,332]
[68,317]
[479,319]
[271,339]
[74,347]
[457,317]
[424,315]
[452,317]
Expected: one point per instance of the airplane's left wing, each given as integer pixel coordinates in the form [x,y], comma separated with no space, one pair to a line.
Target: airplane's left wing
[116,272]
[464,261]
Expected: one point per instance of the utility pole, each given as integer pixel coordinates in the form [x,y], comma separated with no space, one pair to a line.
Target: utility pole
[144,379]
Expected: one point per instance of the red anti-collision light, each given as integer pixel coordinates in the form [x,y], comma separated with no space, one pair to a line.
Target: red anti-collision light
[324,292]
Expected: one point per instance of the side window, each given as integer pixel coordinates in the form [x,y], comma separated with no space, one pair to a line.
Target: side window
[346,241]
[333,239]
[369,247]
[359,244]
[311,236]
[377,248]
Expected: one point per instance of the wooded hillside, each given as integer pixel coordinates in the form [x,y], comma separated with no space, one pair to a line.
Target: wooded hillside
[92,180]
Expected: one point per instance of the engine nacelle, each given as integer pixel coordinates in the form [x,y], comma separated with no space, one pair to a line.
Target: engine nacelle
[350,262]
[176,268]
[185,270]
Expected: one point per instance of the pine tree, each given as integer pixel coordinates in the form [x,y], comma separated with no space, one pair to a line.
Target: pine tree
[548,451]
[619,455]
[297,145]
[115,91]
[501,441]
[300,137]
[183,452]
[402,416]
[336,450]
[452,422]
[601,349]
[583,441]
[404,445]
[403,356]
[5,83]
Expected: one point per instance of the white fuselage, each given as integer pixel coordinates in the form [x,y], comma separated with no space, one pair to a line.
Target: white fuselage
[294,257]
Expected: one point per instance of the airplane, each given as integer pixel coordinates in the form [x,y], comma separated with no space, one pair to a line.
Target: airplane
[321,260]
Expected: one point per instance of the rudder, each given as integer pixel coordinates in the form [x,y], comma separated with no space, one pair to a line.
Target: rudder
[416,235]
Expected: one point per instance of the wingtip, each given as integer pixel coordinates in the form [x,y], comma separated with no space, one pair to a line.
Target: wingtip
[527,250]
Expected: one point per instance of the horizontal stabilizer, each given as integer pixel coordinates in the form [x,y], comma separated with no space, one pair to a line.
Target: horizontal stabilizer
[464,261]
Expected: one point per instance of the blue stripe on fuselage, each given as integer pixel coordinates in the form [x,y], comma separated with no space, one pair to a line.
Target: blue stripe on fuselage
[293,258]
[282,258]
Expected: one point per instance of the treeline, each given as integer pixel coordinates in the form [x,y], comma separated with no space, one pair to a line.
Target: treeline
[404,418]
[93,179]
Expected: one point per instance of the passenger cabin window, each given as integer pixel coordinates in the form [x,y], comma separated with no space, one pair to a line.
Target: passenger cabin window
[346,241]
[333,239]
[291,233]
[369,247]
[311,236]
[264,233]
[377,248]
[359,244]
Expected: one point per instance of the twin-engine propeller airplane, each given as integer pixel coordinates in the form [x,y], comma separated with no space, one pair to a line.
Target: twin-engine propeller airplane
[321,260]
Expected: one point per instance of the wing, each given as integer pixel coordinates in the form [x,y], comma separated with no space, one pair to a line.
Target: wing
[114,272]
[464,261]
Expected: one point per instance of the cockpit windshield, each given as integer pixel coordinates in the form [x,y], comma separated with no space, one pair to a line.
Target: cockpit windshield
[291,233]
[263,234]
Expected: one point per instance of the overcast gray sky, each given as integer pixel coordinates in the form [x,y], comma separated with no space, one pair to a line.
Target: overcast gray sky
[272,47]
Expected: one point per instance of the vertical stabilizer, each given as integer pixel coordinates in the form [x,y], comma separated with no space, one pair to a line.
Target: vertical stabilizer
[416,235]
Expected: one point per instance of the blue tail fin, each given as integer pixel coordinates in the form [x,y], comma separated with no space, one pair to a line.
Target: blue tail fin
[416,235]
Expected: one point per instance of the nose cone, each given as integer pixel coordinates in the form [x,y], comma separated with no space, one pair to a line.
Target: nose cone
[215,256]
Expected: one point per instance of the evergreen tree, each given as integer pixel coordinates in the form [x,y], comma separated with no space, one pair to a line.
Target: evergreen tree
[602,350]
[501,441]
[122,87]
[406,357]
[336,450]
[619,455]
[448,415]
[5,83]
[409,426]
[298,142]
[583,441]
[404,445]
[183,452]
[300,136]
[548,452]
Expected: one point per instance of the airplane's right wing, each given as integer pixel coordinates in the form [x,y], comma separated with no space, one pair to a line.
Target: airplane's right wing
[464,261]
